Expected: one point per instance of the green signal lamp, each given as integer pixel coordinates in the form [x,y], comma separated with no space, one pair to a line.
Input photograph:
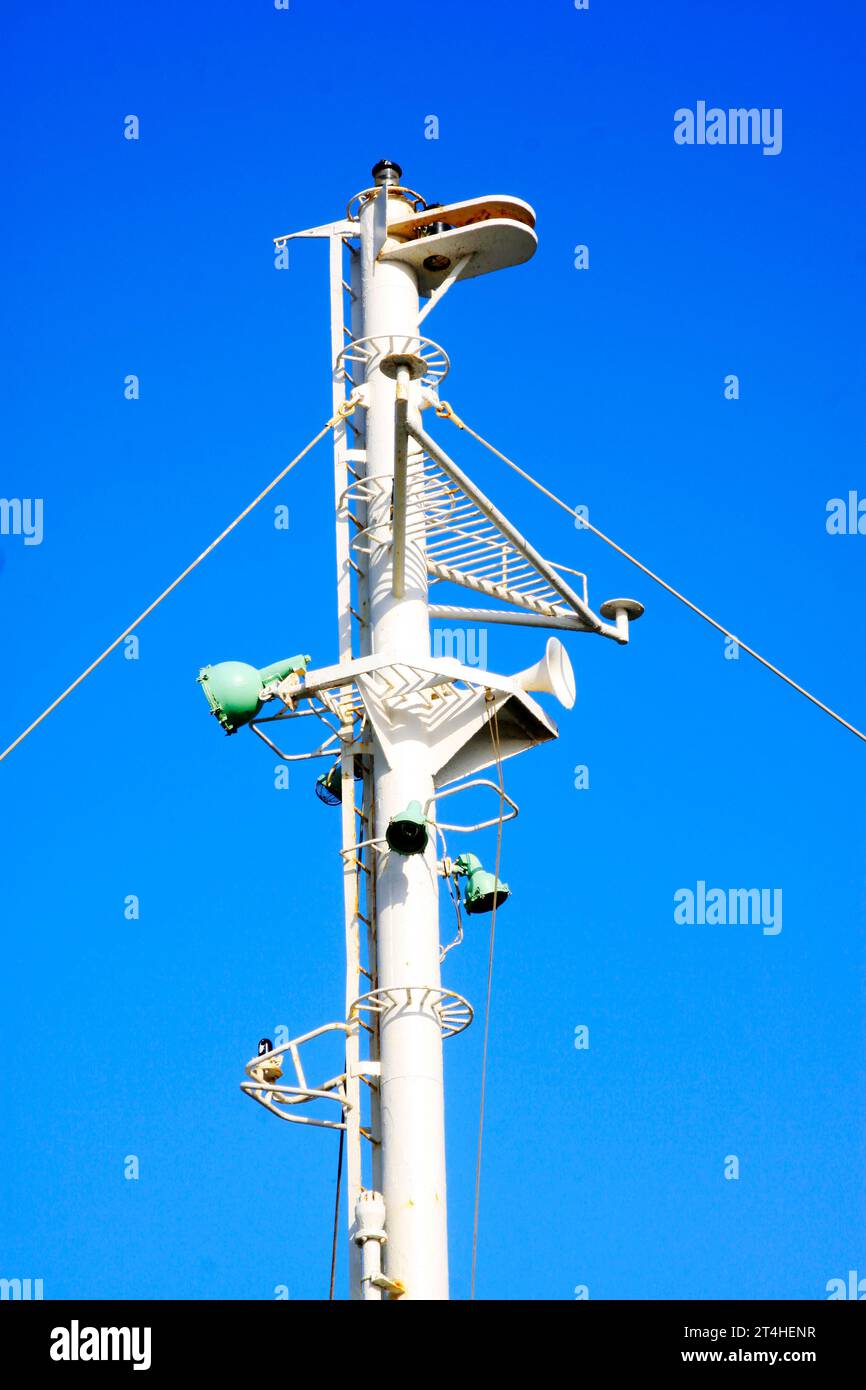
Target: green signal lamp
[233,688]
[407,831]
[484,891]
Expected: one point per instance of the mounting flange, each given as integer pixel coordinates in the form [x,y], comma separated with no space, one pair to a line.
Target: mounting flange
[390,365]
[630,606]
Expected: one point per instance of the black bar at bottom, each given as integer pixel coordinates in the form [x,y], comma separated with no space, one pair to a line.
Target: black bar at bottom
[159,1338]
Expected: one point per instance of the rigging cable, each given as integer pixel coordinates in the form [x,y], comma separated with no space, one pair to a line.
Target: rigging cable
[446,413]
[337,1213]
[493,720]
[165,593]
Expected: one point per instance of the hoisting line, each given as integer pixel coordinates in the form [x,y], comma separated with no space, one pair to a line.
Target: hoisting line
[446,413]
[189,569]
[336,1215]
[493,721]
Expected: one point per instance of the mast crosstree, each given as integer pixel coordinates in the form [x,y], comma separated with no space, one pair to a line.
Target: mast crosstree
[402,727]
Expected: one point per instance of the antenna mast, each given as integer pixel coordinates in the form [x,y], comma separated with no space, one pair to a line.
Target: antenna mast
[406,728]
[411,1099]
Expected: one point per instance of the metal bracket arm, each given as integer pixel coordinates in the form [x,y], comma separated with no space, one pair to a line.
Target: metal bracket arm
[454,274]
[552,577]
[343,228]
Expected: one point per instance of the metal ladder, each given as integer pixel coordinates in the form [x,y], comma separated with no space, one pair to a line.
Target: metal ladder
[359,888]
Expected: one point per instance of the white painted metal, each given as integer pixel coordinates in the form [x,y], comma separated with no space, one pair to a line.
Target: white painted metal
[462,214]
[453,704]
[411,1091]
[351,869]
[457,269]
[370,1236]
[433,808]
[465,746]
[399,504]
[625,611]
[449,613]
[366,881]
[552,579]
[482,246]
[284,1098]
[553,673]
[411,723]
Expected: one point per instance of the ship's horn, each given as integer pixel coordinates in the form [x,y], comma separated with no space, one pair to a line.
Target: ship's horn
[553,674]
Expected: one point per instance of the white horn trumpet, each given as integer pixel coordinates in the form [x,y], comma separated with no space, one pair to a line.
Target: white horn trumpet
[553,674]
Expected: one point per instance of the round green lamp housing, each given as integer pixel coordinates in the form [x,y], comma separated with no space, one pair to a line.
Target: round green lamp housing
[407,831]
[484,890]
[233,688]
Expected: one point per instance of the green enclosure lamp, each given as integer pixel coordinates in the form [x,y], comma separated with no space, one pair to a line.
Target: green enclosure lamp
[233,688]
[407,831]
[329,785]
[483,890]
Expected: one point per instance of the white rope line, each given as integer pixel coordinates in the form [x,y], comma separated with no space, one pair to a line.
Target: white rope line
[444,410]
[173,585]
[493,721]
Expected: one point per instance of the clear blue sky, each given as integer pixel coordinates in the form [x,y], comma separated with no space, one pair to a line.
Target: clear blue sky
[603,1167]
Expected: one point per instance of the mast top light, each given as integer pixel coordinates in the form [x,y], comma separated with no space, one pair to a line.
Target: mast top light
[385,172]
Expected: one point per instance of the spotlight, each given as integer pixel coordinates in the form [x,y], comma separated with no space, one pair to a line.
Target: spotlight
[407,831]
[483,890]
[329,785]
[436,263]
[233,688]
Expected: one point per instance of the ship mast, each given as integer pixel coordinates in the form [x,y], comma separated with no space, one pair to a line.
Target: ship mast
[408,728]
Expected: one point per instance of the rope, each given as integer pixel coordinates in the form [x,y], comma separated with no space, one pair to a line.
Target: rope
[165,593]
[454,895]
[493,720]
[445,412]
[336,1216]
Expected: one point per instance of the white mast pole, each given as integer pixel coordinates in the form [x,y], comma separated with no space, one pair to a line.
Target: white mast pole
[398,1225]
[407,888]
